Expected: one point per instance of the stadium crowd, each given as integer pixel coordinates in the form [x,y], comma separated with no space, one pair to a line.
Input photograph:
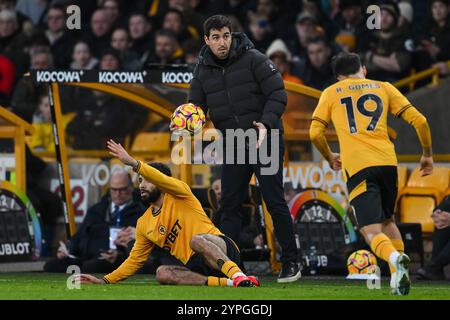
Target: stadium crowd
[299,36]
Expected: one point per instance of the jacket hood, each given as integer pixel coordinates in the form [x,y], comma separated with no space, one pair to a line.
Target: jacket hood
[278,45]
[240,43]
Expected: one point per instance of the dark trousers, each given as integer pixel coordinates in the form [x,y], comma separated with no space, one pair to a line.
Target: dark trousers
[86,266]
[441,248]
[235,180]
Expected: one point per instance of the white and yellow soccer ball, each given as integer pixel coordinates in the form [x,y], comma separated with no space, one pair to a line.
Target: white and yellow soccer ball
[189,118]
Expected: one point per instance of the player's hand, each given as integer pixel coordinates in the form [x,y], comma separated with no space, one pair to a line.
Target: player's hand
[426,165]
[262,132]
[335,161]
[87,279]
[116,150]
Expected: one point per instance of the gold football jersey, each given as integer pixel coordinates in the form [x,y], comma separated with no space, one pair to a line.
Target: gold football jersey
[172,227]
[358,109]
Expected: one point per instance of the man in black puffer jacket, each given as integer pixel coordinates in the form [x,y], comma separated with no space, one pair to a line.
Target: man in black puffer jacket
[242,89]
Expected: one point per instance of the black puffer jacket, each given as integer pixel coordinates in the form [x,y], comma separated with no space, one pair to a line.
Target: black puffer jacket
[249,88]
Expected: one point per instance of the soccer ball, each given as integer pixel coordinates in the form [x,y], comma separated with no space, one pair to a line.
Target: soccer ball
[361,262]
[188,117]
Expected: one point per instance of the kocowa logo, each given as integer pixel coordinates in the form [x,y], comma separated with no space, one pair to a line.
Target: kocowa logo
[121,77]
[176,77]
[58,76]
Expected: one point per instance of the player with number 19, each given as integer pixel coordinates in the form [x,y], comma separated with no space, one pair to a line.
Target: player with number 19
[358,108]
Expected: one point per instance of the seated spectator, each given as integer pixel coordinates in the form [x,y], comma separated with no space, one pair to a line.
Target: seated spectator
[387,59]
[140,29]
[192,13]
[270,9]
[25,24]
[112,8]
[34,9]
[236,8]
[441,244]
[120,40]
[306,28]
[259,31]
[82,57]
[60,39]
[317,72]
[42,138]
[315,8]
[90,246]
[26,93]
[13,42]
[191,49]
[100,31]
[281,57]
[110,60]
[167,49]
[174,20]
[436,41]
[351,25]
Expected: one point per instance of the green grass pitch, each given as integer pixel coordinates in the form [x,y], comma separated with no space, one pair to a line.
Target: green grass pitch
[37,286]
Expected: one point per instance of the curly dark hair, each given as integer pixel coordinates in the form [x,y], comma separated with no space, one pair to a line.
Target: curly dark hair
[161,167]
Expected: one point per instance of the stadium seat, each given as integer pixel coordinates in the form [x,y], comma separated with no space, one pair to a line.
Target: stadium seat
[402,177]
[152,142]
[402,180]
[421,195]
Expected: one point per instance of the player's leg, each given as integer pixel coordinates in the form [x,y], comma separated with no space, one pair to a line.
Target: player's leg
[221,254]
[380,244]
[178,275]
[388,181]
[389,190]
[366,200]
[390,229]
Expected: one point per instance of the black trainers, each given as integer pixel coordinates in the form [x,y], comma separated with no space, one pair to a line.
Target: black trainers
[290,272]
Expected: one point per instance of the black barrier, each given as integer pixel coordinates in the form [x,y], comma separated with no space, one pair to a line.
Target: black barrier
[172,75]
